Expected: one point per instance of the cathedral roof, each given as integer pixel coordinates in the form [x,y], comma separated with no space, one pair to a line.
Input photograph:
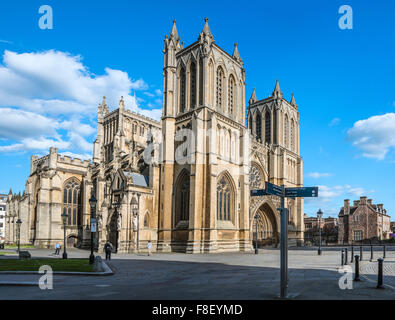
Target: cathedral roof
[137,178]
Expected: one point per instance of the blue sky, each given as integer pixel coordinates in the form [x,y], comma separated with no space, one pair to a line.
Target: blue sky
[52,80]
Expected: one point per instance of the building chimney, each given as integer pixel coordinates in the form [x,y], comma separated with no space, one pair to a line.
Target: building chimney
[356,203]
[346,206]
[363,200]
[370,201]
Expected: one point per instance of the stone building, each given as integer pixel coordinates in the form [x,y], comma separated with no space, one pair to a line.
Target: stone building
[363,221]
[182,183]
[3,205]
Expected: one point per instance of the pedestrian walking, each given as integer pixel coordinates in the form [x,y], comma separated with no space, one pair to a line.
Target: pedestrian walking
[57,248]
[108,249]
[149,247]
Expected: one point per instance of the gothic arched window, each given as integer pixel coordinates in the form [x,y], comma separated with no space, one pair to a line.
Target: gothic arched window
[286,131]
[200,81]
[255,177]
[72,201]
[182,90]
[211,82]
[192,84]
[224,199]
[268,128]
[182,197]
[231,94]
[292,135]
[258,126]
[220,89]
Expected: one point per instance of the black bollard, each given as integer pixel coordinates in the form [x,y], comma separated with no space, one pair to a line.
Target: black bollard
[345,256]
[342,257]
[371,253]
[383,251]
[356,277]
[361,252]
[352,254]
[380,274]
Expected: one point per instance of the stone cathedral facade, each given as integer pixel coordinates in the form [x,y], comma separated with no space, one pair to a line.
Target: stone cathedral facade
[204,156]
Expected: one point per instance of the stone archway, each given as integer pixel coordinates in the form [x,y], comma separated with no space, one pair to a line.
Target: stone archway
[113,232]
[268,226]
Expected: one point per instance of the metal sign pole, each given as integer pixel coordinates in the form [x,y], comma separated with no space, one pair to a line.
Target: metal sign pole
[282,192]
[283,247]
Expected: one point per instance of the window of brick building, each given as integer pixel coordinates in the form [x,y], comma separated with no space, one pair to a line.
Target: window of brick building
[358,235]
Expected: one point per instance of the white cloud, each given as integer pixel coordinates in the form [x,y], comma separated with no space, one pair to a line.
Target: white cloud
[334,122]
[317,175]
[18,124]
[82,156]
[330,198]
[35,144]
[50,98]
[374,136]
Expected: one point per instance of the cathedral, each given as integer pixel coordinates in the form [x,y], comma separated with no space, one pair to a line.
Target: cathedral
[182,183]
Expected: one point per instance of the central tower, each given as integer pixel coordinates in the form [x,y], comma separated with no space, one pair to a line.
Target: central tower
[204,187]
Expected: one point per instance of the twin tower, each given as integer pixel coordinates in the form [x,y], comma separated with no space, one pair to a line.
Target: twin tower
[204,202]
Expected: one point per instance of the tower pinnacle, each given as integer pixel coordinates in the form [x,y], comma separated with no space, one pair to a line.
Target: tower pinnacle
[277,91]
[253,98]
[236,54]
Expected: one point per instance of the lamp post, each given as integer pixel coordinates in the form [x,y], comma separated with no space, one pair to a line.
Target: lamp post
[64,218]
[92,202]
[319,216]
[18,224]
[256,233]
[13,227]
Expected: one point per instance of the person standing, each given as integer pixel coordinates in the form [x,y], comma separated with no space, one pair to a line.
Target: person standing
[57,248]
[149,247]
[108,249]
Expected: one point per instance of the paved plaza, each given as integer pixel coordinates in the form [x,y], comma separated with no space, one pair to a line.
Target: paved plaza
[211,276]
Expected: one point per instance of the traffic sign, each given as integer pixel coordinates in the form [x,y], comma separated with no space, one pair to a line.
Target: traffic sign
[273,189]
[258,192]
[303,192]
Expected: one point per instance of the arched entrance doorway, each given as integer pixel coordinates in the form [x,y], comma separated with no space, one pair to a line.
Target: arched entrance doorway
[113,231]
[267,226]
[72,241]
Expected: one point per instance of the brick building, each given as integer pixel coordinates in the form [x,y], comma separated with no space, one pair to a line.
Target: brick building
[363,221]
[329,229]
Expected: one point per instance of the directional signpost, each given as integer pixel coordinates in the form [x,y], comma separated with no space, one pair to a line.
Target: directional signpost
[282,192]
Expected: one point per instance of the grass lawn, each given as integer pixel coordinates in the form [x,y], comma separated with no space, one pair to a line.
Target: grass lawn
[13,246]
[76,265]
[3,253]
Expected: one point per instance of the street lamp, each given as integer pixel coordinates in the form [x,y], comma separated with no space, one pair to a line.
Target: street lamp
[13,227]
[92,202]
[18,224]
[256,217]
[319,216]
[64,218]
